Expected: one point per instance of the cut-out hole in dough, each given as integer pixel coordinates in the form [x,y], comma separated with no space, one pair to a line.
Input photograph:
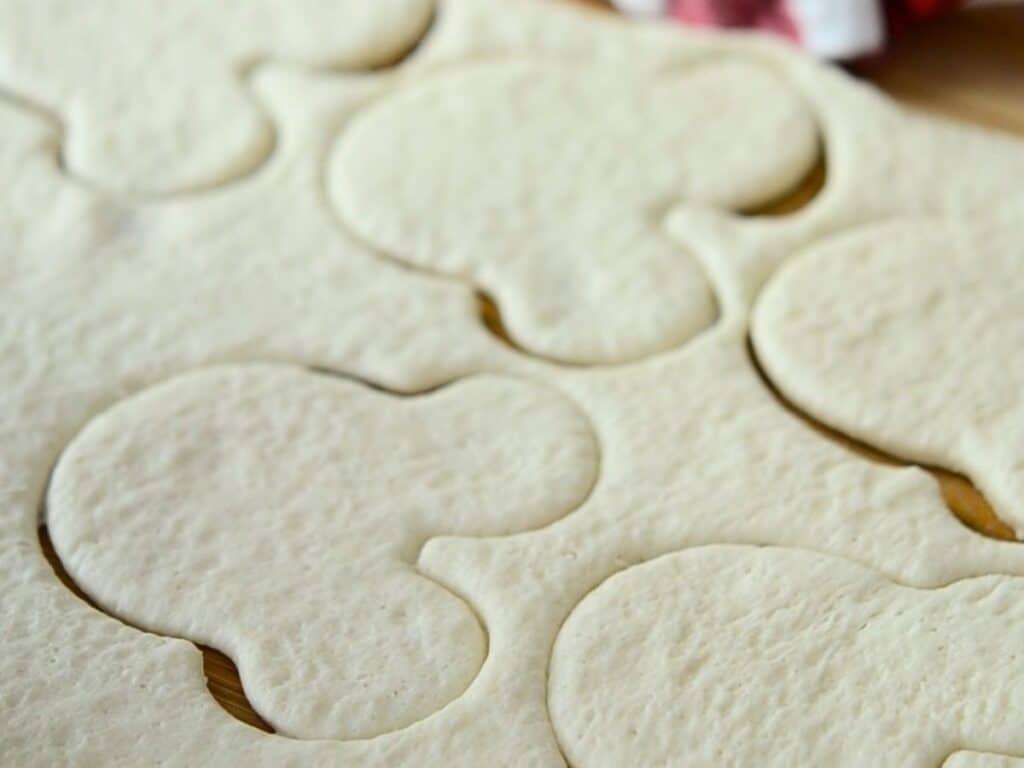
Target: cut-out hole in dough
[965,501]
[222,678]
[490,316]
[797,198]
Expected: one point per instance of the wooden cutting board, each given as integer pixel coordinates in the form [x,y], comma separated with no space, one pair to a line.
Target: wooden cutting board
[968,66]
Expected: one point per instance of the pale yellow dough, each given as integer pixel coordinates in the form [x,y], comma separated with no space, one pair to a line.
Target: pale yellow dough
[278,514]
[908,335]
[151,94]
[144,343]
[741,656]
[544,184]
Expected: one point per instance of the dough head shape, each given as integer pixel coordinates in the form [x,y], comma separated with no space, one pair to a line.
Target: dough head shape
[544,184]
[275,513]
[151,94]
[741,656]
[908,336]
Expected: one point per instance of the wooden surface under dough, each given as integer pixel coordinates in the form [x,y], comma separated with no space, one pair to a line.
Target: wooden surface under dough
[968,66]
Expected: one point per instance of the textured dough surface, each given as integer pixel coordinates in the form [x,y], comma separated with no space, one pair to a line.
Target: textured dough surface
[544,184]
[980,760]
[198,489]
[908,335]
[699,657]
[151,93]
[101,299]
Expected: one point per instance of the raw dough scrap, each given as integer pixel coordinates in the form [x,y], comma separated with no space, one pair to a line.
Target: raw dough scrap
[701,658]
[151,93]
[908,336]
[273,513]
[544,185]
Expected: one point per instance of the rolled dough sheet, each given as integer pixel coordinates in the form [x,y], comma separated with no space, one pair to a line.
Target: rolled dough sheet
[693,450]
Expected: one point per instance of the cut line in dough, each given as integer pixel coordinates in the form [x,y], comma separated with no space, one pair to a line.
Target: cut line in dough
[222,678]
[906,334]
[802,195]
[963,498]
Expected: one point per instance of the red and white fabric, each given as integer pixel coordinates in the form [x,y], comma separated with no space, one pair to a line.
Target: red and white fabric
[832,29]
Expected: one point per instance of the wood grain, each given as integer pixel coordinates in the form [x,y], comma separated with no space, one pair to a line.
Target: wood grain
[969,66]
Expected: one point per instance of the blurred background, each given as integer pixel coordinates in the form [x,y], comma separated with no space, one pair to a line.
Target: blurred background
[962,60]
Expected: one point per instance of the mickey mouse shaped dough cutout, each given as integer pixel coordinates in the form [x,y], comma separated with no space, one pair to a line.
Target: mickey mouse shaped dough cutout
[908,335]
[151,94]
[275,514]
[747,656]
[544,184]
